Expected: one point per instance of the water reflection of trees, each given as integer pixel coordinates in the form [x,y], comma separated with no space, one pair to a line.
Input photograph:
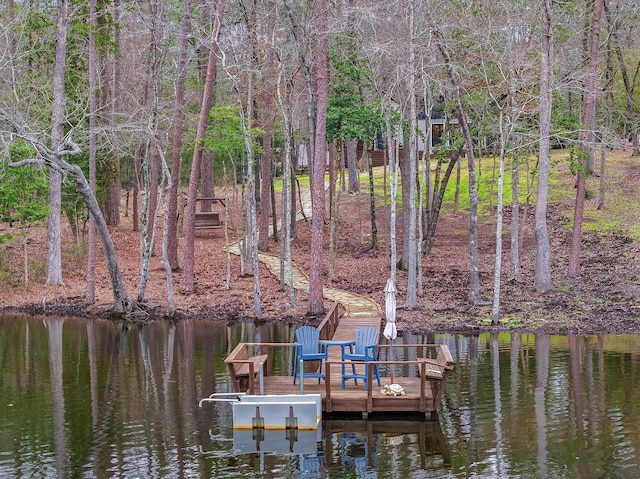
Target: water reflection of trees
[113,397]
[54,330]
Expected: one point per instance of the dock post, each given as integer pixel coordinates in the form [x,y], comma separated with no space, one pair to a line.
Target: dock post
[261,377]
[301,372]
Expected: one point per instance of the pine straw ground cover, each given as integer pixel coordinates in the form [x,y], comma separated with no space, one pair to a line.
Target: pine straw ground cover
[605,298]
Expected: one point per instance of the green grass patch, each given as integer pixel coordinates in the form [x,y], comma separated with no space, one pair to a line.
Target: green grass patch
[619,215]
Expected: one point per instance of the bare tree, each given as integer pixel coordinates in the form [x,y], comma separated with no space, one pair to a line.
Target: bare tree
[586,136]
[543,282]
[91,241]
[187,284]
[411,246]
[474,282]
[316,301]
[266,166]
[112,95]
[151,163]
[252,230]
[54,247]
[178,131]
[495,309]
[284,103]
[393,187]
[629,81]
[55,160]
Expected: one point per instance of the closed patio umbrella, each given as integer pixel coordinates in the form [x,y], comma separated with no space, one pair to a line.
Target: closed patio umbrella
[390,331]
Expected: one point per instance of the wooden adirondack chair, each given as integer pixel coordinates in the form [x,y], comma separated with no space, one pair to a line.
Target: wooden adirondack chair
[364,349]
[308,348]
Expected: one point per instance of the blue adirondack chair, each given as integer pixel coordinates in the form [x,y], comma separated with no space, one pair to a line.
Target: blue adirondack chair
[308,348]
[364,349]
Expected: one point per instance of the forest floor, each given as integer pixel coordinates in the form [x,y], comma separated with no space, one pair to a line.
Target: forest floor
[604,299]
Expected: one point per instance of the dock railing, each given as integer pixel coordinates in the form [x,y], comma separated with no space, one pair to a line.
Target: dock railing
[244,362]
[433,371]
[425,374]
[330,322]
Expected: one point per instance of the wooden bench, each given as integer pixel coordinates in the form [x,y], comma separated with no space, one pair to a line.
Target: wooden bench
[436,369]
[208,220]
[444,356]
[243,369]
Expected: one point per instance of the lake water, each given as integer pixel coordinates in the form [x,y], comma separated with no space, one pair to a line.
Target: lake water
[90,399]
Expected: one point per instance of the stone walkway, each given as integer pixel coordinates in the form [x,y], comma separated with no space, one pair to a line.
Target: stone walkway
[355,305]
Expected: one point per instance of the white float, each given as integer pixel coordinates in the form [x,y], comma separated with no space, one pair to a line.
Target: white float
[272,411]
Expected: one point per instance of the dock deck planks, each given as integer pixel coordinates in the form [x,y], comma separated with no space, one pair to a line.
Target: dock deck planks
[423,393]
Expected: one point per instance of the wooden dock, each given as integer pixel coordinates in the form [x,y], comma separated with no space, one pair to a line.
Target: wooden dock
[430,365]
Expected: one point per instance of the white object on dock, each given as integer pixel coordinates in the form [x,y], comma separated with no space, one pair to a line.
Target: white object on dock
[272,411]
[278,411]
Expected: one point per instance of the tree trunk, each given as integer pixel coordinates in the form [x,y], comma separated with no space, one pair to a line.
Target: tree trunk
[405,172]
[112,200]
[207,186]
[135,214]
[352,166]
[111,107]
[152,193]
[543,283]
[515,180]
[495,308]
[603,157]
[631,110]
[316,301]
[393,192]
[187,284]
[456,202]
[54,247]
[176,147]
[474,280]
[411,246]
[629,85]
[333,212]
[56,162]
[586,137]
[286,274]
[266,166]
[440,187]
[372,202]
[515,220]
[91,240]
[165,187]
[607,120]
[295,187]
[266,171]
[423,192]
[252,218]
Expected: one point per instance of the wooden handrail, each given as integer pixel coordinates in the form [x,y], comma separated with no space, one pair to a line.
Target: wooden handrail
[267,344]
[443,356]
[330,322]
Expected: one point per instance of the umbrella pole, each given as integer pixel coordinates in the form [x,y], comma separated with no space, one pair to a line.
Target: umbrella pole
[392,365]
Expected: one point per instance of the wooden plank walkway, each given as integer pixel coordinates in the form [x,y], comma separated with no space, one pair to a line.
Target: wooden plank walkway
[423,390]
[423,393]
[346,331]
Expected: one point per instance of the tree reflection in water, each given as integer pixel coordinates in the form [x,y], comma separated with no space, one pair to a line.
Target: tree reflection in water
[104,399]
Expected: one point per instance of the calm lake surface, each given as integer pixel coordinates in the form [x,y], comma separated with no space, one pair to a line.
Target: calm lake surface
[89,399]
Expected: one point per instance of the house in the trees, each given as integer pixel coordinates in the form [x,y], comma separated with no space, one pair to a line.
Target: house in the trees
[433,132]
